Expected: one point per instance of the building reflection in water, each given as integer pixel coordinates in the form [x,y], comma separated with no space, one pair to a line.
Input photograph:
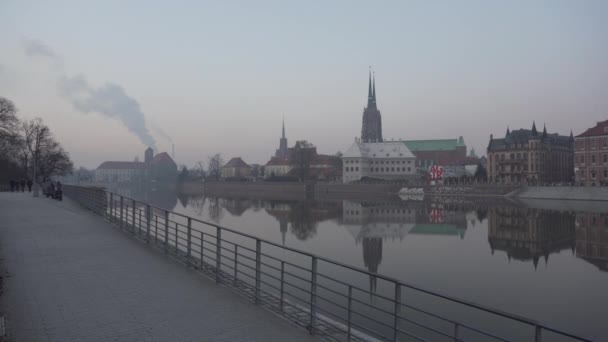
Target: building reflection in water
[528,234]
[592,239]
[371,223]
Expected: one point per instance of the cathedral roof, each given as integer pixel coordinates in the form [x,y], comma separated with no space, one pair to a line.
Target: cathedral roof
[387,149]
[434,145]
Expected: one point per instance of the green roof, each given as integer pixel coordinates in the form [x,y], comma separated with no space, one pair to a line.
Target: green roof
[434,145]
[436,229]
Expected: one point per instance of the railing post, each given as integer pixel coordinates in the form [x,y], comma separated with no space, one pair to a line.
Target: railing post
[176,239]
[111,207]
[236,255]
[166,231]
[121,211]
[456,328]
[139,224]
[538,334]
[189,240]
[397,311]
[218,253]
[133,218]
[313,295]
[155,230]
[282,283]
[350,313]
[202,249]
[258,266]
[148,218]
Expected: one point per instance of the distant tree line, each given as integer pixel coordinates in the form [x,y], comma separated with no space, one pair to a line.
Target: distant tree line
[27,146]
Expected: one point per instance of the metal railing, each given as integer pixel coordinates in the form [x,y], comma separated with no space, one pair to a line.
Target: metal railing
[326,297]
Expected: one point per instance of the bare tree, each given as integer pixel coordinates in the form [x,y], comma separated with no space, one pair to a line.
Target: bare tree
[214,166]
[39,148]
[9,126]
[301,157]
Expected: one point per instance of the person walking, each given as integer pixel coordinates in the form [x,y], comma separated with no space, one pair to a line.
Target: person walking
[12,185]
[29,185]
[22,183]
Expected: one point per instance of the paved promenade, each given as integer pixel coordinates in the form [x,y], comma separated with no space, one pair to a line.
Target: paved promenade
[70,276]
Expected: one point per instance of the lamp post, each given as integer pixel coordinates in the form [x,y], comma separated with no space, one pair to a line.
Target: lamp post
[35,154]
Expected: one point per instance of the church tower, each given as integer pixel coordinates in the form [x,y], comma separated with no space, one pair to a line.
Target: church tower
[283,151]
[371,129]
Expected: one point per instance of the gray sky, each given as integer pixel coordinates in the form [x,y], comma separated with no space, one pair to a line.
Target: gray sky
[219,76]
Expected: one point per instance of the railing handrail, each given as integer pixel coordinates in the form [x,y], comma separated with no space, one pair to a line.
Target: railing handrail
[395,281]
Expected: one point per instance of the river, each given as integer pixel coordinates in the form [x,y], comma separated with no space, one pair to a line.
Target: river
[545,260]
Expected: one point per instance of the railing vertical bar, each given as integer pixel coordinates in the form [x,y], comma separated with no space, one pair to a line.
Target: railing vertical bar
[111,207]
[121,212]
[258,266]
[166,231]
[397,311]
[236,256]
[350,313]
[189,240]
[148,218]
[313,295]
[218,253]
[282,283]
[456,328]
[202,249]
[133,219]
[538,334]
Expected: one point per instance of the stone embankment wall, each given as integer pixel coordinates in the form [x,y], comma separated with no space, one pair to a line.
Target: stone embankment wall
[583,193]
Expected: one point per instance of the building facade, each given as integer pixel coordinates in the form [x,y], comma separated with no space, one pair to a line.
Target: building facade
[527,156]
[389,160]
[371,128]
[160,168]
[236,168]
[443,152]
[591,155]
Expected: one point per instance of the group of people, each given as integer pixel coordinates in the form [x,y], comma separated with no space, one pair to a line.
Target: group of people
[19,186]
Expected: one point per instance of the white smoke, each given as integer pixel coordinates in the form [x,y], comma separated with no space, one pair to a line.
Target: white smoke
[110,100]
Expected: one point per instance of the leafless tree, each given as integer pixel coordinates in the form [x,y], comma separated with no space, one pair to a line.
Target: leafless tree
[9,126]
[214,166]
[40,148]
[301,157]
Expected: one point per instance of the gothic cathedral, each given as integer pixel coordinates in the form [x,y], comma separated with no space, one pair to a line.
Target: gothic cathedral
[371,130]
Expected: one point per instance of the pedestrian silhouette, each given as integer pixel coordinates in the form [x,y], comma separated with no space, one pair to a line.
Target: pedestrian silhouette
[12,185]
[29,185]
[22,183]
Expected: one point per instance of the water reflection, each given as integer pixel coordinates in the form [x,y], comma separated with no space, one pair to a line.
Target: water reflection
[451,245]
[530,234]
[592,239]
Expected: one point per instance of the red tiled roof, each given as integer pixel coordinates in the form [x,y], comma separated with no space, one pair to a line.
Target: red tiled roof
[599,129]
[278,161]
[236,162]
[121,165]
[162,157]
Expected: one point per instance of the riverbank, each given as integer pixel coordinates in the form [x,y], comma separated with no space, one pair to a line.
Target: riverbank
[572,193]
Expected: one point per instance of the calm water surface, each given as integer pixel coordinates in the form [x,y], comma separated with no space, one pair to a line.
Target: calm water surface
[545,260]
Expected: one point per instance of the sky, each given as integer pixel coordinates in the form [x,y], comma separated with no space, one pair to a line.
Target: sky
[110,77]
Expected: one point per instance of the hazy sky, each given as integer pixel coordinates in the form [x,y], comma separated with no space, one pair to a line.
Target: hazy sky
[219,76]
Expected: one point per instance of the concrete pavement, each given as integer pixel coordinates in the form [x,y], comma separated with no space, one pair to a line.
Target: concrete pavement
[70,276]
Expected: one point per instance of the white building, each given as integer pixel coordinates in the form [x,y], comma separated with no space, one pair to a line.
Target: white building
[277,167]
[385,160]
[120,172]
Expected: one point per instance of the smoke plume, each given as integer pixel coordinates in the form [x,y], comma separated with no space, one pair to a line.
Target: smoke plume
[110,100]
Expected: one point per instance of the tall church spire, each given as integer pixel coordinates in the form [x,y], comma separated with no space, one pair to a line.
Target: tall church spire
[370,94]
[374,86]
[283,136]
